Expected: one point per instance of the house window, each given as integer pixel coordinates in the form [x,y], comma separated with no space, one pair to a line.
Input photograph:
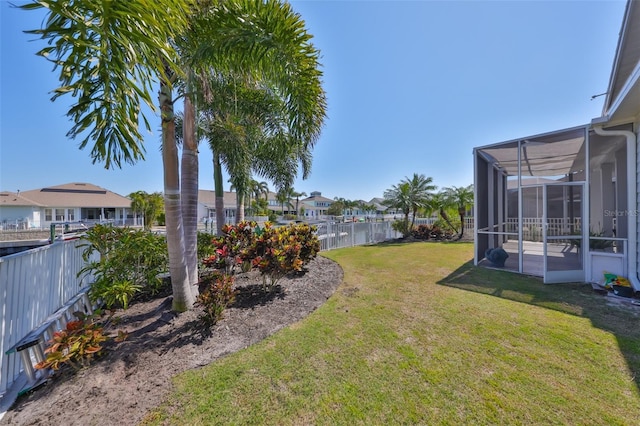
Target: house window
[59,215]
[48,215]
[71,215]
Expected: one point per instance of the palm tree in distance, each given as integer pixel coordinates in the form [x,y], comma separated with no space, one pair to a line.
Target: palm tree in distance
[399,197]
[421,188]
[139,204]
[440,203]
[297,195]
[284,196]
[261,188]
[462,198]
[409,196]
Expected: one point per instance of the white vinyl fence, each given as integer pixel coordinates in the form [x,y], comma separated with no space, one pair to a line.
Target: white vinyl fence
[335,235]
[33,285]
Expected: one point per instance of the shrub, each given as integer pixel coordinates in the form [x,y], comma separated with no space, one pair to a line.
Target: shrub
[307,237]
[439,234]
[76,345]
[280,251]
[206,246]
[114,294]
[401,226]
[421,232]
[228,249]
[130,262]
[216,296]
[275,252]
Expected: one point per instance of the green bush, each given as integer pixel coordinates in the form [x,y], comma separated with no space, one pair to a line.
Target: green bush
[206,245]
[129,265]
[401,226]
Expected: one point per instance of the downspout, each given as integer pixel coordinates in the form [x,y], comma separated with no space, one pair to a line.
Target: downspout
[631,200]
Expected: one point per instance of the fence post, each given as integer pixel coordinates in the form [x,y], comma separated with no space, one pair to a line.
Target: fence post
[353,234]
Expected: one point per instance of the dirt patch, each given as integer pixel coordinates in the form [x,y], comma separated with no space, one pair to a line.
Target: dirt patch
[135,377]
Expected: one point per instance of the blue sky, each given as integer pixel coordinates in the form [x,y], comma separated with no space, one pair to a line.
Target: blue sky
[412,87]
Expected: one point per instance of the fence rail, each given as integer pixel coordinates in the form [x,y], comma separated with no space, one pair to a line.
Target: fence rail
[33,285]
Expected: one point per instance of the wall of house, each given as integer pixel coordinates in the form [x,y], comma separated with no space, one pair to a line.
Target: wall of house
[23,217]
[636,128]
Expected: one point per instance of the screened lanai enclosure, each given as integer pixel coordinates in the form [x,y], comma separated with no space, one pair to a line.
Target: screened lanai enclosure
[559,204]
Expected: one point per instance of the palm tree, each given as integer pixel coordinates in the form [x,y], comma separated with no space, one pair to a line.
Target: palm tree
[462,198]
[284,196]
[270,44]
[111,67]
[297,194]
[248,134]
[421,191]
[409,196]
[399,197]
[148,205]
[440,203]
[139,204]
[261,188]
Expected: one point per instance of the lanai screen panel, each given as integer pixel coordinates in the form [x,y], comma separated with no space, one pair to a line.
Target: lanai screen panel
[550,155]
[520,168]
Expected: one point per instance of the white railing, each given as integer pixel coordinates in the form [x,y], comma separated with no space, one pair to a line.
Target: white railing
[33,285]
[335,235]
[532,227]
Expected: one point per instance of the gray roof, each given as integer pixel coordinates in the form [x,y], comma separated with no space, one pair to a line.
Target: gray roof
[8,198]
[207,197]
[74,195]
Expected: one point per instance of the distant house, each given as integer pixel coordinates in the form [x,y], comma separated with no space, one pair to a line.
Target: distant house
[72,202]
[315,206]
[381,208]
[207,205]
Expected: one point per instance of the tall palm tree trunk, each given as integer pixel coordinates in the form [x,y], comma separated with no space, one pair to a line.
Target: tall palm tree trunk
[239,206]
[182,297]
[462,213]
[445,216]
[189,192]
[219,190]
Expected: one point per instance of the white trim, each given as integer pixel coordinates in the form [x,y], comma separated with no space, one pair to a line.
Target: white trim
[634,78]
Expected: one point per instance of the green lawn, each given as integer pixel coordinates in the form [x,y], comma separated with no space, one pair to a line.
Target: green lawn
[417,335]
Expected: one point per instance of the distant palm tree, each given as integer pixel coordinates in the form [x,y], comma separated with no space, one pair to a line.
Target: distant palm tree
[297,194]
[462,198]
[399,197]
[421,192]
[139,204]
[440,203]
[409,196]
[284,196]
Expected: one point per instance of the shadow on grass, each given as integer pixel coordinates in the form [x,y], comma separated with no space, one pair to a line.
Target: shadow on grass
[620,319]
